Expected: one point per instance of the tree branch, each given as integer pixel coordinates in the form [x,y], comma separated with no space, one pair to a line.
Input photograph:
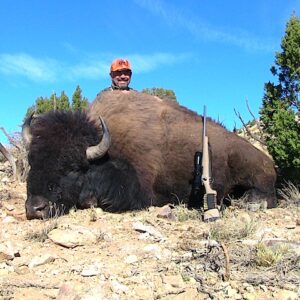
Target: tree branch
[9,138]
[248,131]
[10,158]
[255,120]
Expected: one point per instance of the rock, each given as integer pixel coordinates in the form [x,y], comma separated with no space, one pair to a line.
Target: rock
[264,288]
[131,259]
[9,219]
[143,292]
[91,270]
[67,292]
[230,292]
[8,207]
[140,227]
[250,296]
[118,287]
[290,226]
[72,236]
[8,251]
[249,242]
[173,280]
[5,179]
[286,295]
[41,260]
[166,212]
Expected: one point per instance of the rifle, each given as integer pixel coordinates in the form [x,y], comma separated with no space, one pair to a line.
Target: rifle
[202,180]
[210,196]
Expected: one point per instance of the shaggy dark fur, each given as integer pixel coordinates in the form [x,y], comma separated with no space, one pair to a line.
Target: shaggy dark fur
[61,174]
[159,138]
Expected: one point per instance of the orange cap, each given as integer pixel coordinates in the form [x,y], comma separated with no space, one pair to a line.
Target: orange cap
[120,64]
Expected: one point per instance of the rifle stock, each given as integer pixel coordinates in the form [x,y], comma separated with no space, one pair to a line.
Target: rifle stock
[210,197]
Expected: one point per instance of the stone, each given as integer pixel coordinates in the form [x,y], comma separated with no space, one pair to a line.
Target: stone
[166,212]
[118,287]
[8,251]
[173,280]
[91,270]
[286,295]
[140,227]
[131,259]
[250,296]
[41,260]
[72,236]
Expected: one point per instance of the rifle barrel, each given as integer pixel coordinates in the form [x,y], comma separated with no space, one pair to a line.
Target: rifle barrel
[204,125]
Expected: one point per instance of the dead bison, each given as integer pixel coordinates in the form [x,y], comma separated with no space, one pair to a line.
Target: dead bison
[159,138]
[70,167]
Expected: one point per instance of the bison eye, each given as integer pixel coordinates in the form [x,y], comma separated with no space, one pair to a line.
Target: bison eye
[52,187]
[55,190]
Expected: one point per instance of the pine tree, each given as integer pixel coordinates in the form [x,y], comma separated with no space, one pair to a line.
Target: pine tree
[281,104]
[78,103]
[63,102]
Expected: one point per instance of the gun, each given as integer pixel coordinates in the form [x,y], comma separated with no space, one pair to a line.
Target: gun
[202,180]
[210,196]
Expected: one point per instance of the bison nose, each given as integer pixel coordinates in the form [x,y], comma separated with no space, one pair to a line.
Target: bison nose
[37,208]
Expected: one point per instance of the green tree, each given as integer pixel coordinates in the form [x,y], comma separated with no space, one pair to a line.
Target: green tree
[280,108]
[44,104]
[161,93]
[63,102]
[78,102]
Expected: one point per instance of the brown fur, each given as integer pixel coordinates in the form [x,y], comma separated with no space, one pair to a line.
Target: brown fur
[160,138]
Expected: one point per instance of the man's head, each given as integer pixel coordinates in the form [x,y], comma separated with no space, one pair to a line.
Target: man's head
[120,73]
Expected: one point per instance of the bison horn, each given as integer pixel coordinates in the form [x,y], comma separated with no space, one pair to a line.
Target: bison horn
[26,135]
[97,151]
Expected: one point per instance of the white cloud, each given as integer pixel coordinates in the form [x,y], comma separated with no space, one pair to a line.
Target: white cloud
[203,31]
[147,63]
[90,67]
[27,66]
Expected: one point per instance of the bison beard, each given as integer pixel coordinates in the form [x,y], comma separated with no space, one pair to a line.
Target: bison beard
[61,176]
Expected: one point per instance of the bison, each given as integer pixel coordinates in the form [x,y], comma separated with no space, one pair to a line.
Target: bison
[149,161]
[159,138]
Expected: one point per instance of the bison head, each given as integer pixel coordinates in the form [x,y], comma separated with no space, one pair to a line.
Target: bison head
[69,166]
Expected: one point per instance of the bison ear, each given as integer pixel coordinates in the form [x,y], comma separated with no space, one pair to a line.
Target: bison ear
[98,151]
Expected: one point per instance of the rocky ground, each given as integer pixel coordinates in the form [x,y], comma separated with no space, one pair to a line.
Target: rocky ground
[160,253]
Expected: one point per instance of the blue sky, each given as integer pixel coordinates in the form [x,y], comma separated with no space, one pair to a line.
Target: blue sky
[210,52]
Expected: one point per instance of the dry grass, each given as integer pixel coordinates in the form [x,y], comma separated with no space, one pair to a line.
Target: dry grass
[232,229]
[92,214]
[41,235]
[270,256]
[290,195]
[183,213]
[49,224]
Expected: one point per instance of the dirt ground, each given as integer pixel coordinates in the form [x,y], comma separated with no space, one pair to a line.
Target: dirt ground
[158,253]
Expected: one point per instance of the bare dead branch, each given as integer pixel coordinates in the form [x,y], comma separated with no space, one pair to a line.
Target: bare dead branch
[255,120]
[10,158]
[9,138]
[247,130]
[227,265]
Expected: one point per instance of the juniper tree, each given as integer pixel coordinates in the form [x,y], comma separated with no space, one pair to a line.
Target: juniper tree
[280,108]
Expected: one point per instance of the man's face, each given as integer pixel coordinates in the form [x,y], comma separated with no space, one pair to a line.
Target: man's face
[121,78]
